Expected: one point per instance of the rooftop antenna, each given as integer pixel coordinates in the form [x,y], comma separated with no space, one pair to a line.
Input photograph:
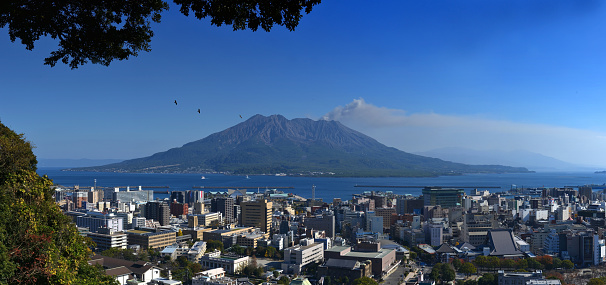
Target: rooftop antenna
[313,192]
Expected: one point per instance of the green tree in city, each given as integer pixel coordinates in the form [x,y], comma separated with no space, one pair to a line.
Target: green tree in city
[436,272]
[38,244]
[212,245]
[567,264]
[365,281]
[597,281]
[284,280]
[468,268]
[456,263]
[448,273]
[487,279]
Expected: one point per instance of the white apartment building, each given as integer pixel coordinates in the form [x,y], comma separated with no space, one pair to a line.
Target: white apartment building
[298,256]
[231,264]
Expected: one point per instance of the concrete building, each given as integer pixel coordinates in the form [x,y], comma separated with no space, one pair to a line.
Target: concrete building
[231,264]
[257,214]
[296,257]
[106,239]
[95,220]
[352,269]
[524,278]
[132,196]
[322,222]
[445,197]
[225,206]
[178,209]
[151,238]
[387,214]
[383,260]
[158,211]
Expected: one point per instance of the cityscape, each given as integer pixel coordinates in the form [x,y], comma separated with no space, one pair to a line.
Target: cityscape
[446,235]
[302,142]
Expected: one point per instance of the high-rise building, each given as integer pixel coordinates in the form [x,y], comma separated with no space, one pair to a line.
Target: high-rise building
[324,223]
[178,209]
[158,211]
[179,196]
[257,214]
[225,206]
[586,191]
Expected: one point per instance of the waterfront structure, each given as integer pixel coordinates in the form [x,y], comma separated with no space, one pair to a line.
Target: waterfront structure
[257,214]
[151,238]
[445,197]
[132,196]
[296,257]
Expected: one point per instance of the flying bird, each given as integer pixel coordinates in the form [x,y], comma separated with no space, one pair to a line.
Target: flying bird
[175,102]
[198,111]
[240,116]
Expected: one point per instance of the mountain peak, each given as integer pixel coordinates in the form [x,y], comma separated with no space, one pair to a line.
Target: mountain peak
[275,144]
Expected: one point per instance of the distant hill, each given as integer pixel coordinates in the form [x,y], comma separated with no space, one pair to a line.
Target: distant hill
[532,160]
[274,144]
[83,162]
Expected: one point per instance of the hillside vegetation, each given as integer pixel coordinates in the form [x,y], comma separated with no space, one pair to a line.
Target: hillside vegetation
[38,244]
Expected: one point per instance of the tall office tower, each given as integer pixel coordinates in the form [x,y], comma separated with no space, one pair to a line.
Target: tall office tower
[225,206]
[324,223]
[177,195]
[257,214]
[95,196]
[194,196]
[158,211]
[586,191]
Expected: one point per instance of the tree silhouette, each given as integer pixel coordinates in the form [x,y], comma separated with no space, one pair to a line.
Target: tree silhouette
[103,31]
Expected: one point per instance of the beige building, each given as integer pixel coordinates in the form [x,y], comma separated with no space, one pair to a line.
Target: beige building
[257,214]
[149,238]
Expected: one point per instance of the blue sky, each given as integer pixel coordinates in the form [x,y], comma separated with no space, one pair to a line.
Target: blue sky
[415,75]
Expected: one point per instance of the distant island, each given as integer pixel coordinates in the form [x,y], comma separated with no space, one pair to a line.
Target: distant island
[601,171]
[275,145]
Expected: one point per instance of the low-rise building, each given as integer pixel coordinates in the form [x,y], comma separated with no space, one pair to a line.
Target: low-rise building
[298,256]
[106,238]
[231,264]
[151,238]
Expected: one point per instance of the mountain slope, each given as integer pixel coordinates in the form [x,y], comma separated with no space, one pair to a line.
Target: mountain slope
[274,144]
[533,160]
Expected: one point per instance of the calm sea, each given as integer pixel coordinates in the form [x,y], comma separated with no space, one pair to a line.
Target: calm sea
[326,188]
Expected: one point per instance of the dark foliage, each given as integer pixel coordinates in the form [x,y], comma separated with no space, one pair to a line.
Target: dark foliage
[103,31]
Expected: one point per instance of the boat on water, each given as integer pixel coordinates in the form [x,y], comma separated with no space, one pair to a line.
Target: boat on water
[203,177]
[247,177]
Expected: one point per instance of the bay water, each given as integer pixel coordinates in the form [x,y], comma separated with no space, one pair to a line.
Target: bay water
[326,188]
